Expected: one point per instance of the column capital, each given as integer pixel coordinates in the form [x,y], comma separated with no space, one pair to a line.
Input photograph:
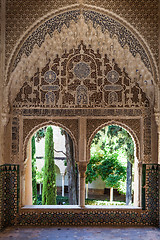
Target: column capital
[82,167]
[62,173]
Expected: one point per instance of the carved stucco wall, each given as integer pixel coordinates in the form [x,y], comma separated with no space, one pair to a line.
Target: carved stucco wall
[0,22]
[143,15]
[100,32]
[54,92]
[81,77]
[20,16]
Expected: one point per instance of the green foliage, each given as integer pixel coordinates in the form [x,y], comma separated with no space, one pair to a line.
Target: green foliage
[39,200]
[59,199]
[34,184]
[111,147]
[62,200]
[123,140]
[92,169]
[98,136]
[102,202]
[49,178]
[40,134]
[39,176]
[108,167]
[112,171]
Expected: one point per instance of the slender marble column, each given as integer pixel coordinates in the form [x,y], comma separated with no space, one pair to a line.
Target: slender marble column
[86,190]
[62,175]
[137,167]
[82,170]
[28,177]
[40,188]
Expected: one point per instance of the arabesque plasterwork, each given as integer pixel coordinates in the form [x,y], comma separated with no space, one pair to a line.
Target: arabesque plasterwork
[63,71]
[142,15]
[81,78]
[98,38]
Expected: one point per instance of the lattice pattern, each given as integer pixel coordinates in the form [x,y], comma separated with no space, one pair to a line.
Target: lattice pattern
[152,192]
[15,135]
[1,199]
[9,182]
[115,28]
[147,137]
[152,187]
[87,218]
[78,112]
[38,36]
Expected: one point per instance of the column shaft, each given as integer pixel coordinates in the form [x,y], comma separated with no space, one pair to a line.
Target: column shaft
[82,190]
[28,177]
[82,159]
[62,174]
[86,190]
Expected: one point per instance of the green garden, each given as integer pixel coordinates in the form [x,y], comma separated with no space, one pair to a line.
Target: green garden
[112,160]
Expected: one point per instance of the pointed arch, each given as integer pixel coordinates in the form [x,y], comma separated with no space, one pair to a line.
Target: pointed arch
[137,161]
[47,123]
[117,123]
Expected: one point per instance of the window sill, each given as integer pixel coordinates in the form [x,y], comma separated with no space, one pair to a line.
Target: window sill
[77,207]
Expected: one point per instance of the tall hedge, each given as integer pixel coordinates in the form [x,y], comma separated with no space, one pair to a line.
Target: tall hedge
[34,183]
[49,178]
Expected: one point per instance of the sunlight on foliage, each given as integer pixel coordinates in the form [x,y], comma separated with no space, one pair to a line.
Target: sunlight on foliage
[110,149]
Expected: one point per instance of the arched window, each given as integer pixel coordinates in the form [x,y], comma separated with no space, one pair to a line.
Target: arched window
[62,156]
[113,175]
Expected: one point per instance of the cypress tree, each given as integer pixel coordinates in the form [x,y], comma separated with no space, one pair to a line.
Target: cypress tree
[34,183]
[49,178]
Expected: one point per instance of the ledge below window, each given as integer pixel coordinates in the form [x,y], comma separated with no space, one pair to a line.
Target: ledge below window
[77,207]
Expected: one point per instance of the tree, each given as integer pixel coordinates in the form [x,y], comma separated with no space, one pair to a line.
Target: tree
[39,175]
[49,178]
[34,184]
[124,140]
[113,140]
[39,179]
[40,134]
[71,170]
[108,167]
